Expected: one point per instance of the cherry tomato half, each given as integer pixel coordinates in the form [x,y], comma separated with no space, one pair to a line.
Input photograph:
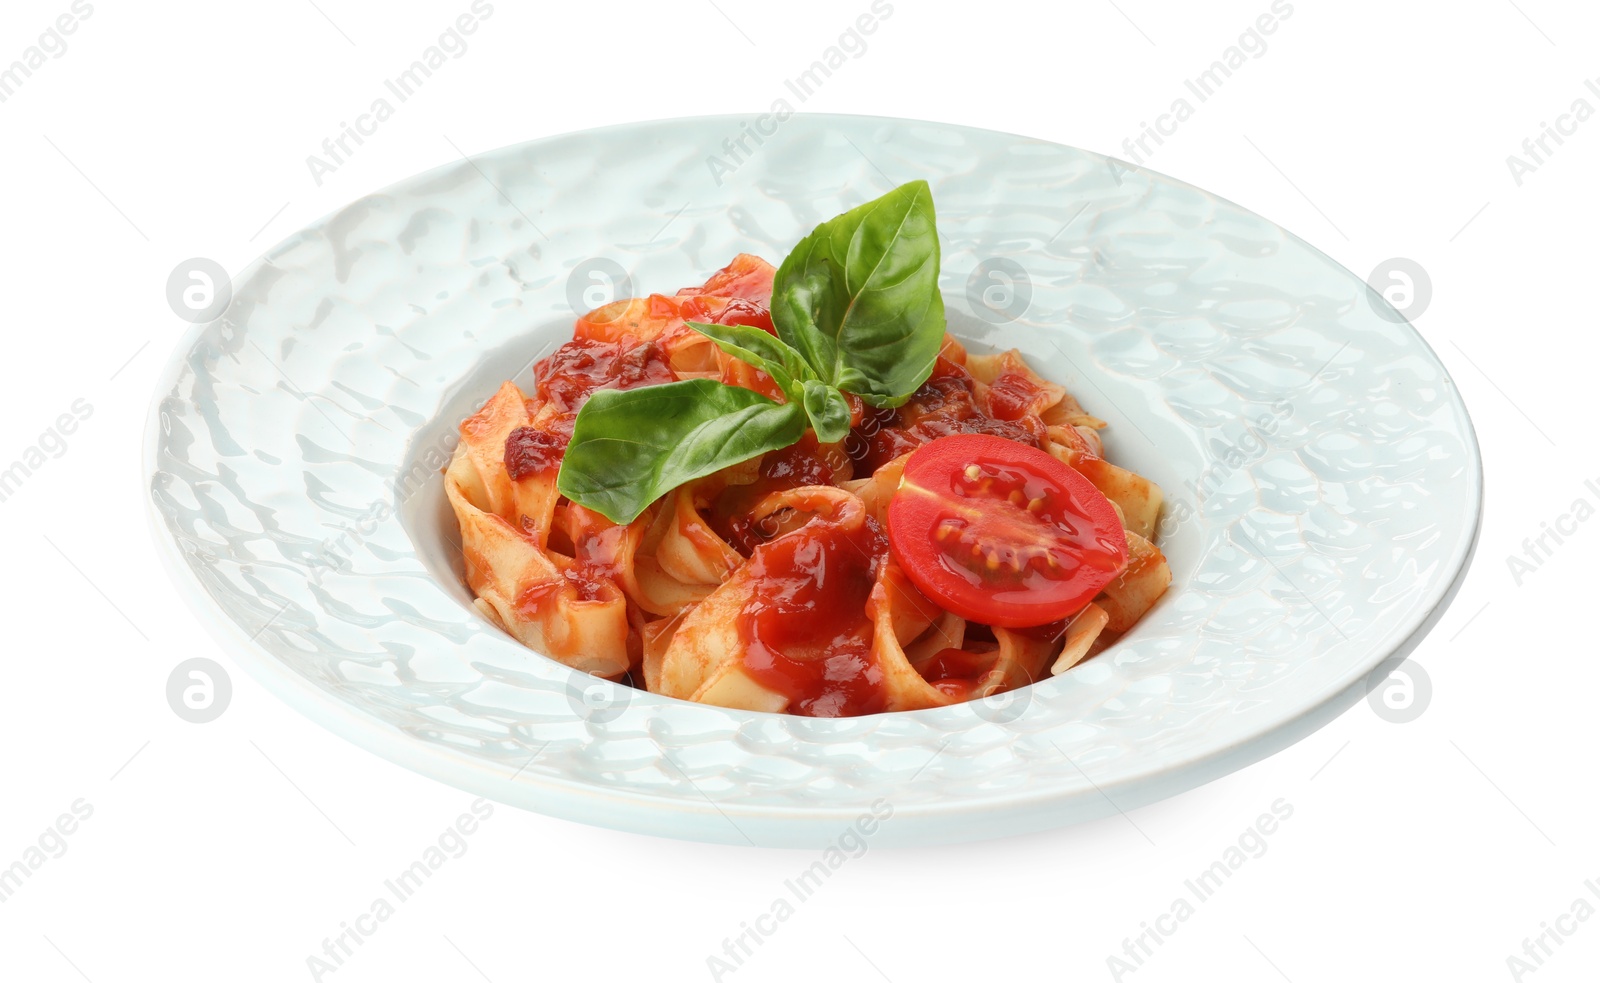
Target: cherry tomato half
[1002,533]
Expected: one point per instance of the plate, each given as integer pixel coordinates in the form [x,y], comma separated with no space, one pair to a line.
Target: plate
[1323,481]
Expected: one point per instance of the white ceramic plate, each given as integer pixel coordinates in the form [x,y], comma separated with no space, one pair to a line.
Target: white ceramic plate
[1322,477]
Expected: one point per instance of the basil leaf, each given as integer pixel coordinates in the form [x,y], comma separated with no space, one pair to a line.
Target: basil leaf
[631,446]
[859,297]
[827,410]
[750,344]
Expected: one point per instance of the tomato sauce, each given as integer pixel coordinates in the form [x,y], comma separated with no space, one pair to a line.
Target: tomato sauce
[747,312]
[531,451]
[1050,631]
[739,373]
[946,404]
[803,463]
[1013,396]
[566,379]
[805,628]
[534,599]
[597,547]
[596,543]
[572,373]
[957,672]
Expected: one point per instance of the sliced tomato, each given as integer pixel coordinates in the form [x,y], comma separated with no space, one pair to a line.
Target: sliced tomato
[1002,533]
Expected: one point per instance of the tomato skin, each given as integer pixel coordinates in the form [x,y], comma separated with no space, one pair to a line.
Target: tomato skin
[1002,533]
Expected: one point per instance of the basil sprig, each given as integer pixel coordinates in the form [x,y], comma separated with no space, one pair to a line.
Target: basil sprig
[859,297]
[857,309]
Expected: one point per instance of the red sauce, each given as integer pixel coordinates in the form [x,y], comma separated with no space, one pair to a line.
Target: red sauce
[746,376]
[943,366]
[798,464]
[1013,396]
[957,671]
[1050,631]
[531,451]
[534,599]
[734,371]
[979,633]
[572,373]
[746,312]
[805,628]
[803,463]
[945,404]
[597,544]
[566,379]
[597,541]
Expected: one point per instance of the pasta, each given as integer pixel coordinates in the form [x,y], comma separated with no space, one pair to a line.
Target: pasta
[769,585]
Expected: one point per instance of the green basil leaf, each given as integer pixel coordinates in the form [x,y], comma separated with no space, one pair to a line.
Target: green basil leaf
[750,344]
[631,446]
[859,297]
[827,410]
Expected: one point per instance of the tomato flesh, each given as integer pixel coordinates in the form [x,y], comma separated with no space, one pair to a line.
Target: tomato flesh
[1002,533]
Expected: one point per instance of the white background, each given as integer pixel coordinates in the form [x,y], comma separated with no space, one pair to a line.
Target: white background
[231,850]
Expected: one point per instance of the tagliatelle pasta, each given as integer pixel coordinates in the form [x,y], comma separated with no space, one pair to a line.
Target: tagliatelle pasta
[770,584]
